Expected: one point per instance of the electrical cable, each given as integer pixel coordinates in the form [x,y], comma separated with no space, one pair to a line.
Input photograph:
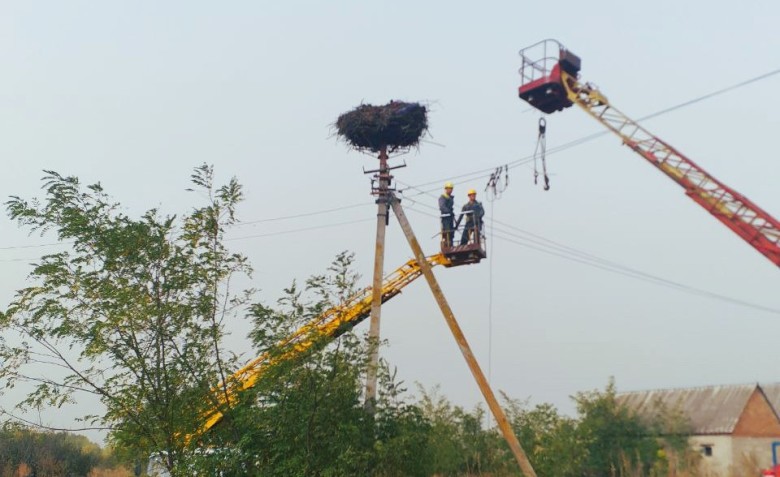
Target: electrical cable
[542,244]
[19,247]
[490,298]
[272,219]
[307,214]
[479,174]
[550,247]
[305,229]
[643,276]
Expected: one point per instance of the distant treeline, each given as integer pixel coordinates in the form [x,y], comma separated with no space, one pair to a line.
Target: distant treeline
[47,454]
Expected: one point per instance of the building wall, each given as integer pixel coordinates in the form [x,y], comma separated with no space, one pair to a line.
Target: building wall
[757,428]
[758,419]
[754,449]
[722,459]
[738,425]
[734,456]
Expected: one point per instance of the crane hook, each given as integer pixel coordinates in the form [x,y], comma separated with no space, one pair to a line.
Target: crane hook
[541,152]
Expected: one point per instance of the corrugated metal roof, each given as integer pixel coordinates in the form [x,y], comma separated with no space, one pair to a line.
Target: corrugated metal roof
[711,409]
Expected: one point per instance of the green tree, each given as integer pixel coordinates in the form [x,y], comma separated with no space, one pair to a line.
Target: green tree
[133,312]
[672,430]
[305,416]
[614,439]
[447,447]
[403,438]
[460,443]
[49,453]
[550,439]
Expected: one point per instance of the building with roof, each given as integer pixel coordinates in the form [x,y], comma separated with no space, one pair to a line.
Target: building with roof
[733,427]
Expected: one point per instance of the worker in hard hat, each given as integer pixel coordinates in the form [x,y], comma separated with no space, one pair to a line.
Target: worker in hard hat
[473,212]
[446,209]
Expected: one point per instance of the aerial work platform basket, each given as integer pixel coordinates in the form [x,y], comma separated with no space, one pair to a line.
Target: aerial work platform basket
[472,251]
[542,85]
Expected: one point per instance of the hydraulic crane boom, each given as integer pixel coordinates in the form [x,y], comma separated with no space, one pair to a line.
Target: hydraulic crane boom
[550,83]
[327,326]
[335,321]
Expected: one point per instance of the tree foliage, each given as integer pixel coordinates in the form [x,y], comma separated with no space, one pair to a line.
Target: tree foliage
[605,439]
[133,313]
[306,416]
[550,439]
[24,451]
[611,435]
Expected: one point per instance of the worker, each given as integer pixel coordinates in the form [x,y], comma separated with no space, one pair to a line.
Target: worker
[446,209]
[473,212]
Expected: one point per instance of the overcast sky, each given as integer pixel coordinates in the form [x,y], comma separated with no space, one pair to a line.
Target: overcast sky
[136,94]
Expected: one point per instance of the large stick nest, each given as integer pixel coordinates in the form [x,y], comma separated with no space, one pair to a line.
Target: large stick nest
[396,125]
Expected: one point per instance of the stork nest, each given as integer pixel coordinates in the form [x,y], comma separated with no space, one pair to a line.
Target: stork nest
[396,125]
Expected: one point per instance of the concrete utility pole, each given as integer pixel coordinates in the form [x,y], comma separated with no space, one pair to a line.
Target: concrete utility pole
[460,338]
[382,218]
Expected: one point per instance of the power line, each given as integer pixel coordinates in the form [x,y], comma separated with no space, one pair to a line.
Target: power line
[481,173]
[272,219]
[307,214]
[550,247]
[519,237]
[713,94]
[542,244]
[639,275]
[52,244]
[305,229]
[270,234]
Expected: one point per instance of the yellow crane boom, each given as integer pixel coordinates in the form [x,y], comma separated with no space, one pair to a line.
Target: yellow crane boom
[327,326]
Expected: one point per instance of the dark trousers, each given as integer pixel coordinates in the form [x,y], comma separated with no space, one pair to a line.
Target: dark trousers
[468,231]
[447,231]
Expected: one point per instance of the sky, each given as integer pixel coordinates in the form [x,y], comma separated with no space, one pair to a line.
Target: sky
[134,95]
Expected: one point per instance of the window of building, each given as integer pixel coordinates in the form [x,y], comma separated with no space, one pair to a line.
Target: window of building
[706,450]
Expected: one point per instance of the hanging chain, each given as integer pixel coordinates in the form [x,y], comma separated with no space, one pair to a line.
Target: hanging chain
[540,153]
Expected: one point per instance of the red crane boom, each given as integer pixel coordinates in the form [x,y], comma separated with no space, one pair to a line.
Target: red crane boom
[550,83]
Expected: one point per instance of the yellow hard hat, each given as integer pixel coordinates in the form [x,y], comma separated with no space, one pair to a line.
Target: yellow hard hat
[471,191]
[448,185]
